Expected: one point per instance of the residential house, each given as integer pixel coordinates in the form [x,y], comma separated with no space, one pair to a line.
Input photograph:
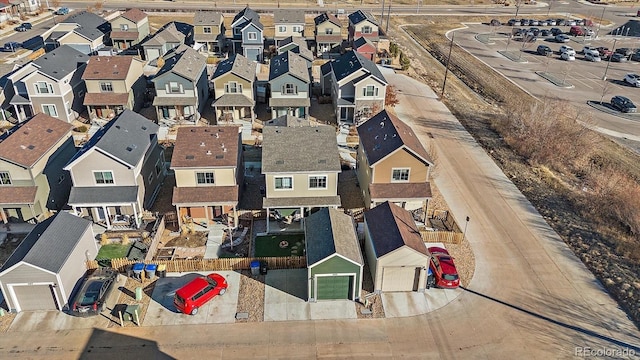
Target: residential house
[365,47]
[392,163]
[288,121]
[83,31]
[45,268]
[208,30]
[356,85]
[234,89]
[289,82]
[6,89]
[207,161]
[288,22]
[51,84]
[334,260]
[118,173]
[32,182]
[397,256]
[167,38]
[248,34]
[129,29]
[362,23]
[301,166]
[182,86]
[328,33]
[114,83]
[21,7]
[296,45]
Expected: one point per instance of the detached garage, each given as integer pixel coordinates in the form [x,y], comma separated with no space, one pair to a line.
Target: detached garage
[42,272]
[334,261]
[396,254]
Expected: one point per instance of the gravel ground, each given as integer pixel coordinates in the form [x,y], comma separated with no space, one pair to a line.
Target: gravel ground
[128,297]
[251,297]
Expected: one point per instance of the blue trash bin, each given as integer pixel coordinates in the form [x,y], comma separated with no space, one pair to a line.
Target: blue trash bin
[255,267]
[137,269]
[150,271]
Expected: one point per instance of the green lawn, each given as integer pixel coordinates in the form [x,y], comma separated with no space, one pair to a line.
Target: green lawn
[113,251]
[269,246]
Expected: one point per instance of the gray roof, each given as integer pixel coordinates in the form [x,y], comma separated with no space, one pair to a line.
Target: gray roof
[91,25]
[289,62]
[247,14]
[60,62]
[288,16]
[288,121]
[50,243]
[169,33]
[359,16]
[103,195]
[233,100]
[289,102]
[330,231]
[184,61]
[297,45]
[327,16]
[351,62]
[392,227]
[204,17]
[299,149]
[238,65]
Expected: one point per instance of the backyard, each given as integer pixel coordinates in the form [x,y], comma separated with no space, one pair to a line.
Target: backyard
[113,251]
[279,245]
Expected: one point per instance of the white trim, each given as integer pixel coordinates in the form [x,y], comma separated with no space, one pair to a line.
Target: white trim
[95,181]
[282,176]
[326,181]
[334,254]
[14,298]
[27,264]
[315,284]
[54,108]
[400,169]
[405,148]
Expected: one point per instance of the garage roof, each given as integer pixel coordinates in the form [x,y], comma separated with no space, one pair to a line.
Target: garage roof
[330,231]
[50,243]
[392,227]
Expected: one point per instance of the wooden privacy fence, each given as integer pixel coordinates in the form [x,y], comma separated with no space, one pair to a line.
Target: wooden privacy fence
[188,265]
[156,237]
[447,237]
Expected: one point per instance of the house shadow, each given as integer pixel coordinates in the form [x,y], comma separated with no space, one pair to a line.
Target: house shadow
[292,282]
[165,290]
[104,344]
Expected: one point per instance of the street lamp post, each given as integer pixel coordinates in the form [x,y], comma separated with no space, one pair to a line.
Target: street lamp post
[600,22]
[604,77]
[464,234]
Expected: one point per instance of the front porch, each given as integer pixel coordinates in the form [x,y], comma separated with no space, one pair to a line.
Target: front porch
[298,107]
[18,204]
[105,105]
[206,205]
[108,206]
[287,214]
[22,108]
[117,217]
[233,107]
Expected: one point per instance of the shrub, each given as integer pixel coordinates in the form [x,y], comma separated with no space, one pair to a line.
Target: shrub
[104,239]
[404,61]
[81,129]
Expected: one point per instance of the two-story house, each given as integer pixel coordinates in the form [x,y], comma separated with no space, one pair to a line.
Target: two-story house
[289,82]
[208,30]
[182,86]
[129,29]
[207,161]
[114,83]
[167,38]
[328,33]
[248,34]
[301,166]
[83,31]
[362,23]
[234,89]
[356,85]
[118,173]
[288,22]
[392,164]
[365,47]
[51,84]
[296,45]
[32,182]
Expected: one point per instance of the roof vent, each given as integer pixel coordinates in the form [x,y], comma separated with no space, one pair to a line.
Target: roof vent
[322,161]
[220,156]
[208,152]
[49,131]
[385,137]
[394,135]
[193,130]
[23,147]
[207,130]
[202,143]
[381,123]
[224,150]
[279,162]
[144,128]
[31,147]
[117,126]
[190,157]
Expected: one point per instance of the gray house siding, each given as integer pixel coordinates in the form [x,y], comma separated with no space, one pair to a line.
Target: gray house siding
[155,153]
[163,80]
[74,268]
[24,274]
[245,36]
[278,83]
[253,54]
[203,91]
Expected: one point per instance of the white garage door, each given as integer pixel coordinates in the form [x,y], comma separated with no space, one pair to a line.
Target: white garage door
[35,297]
[398,278]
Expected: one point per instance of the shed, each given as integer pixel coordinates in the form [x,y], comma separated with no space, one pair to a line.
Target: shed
[334,260]
[43,270]
[395,252]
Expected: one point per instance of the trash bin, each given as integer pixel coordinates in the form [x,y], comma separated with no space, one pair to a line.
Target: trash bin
[255,267]
[162,270]
[263,268]
[150,271]
[137,269]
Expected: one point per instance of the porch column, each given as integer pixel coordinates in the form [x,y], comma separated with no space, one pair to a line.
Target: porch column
[106,216]
[3,216]
[15,107]
[267,220]
[179,219]
[33,212]
[206,214]
[135,215]
[235,217]
[4,117]
[74,210]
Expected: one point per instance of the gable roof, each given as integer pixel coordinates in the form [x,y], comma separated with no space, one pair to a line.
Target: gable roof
[352,61]
[127,138]
[299,149]
[50,243]
[251,22]
[288,121]
[392,227]
[207,17]
[384,133]
[60,62]
[90,25]
[330,231]
[134,15]
[288,16]
[27,142]
[327,16]
[108,67]
[238,65]
[360,16]
[288,62]
[298,46]
[361,41]
[248,14]
[184,61]
[169,33]
[206,146]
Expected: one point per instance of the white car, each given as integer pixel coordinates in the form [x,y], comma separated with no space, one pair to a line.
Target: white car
[590,56]
[590,49]
[567,49]
[567,56]
[632,79]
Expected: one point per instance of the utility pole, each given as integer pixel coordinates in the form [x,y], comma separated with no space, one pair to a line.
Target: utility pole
[386,30]
[464,234]
[604,77]
[382,15]
[600,22]
[446,68]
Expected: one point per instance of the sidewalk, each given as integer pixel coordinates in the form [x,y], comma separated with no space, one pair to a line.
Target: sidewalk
[9,29]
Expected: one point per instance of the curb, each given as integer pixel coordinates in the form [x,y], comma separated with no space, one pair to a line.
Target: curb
[554,80]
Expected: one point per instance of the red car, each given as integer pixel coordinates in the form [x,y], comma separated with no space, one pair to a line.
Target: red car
[443,268]
[199,291]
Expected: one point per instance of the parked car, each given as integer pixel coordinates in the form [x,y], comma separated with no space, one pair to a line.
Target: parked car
[617,57]
[443,268]
[576,31]
[562,38]
[20,28]
[189,298]
[544,50]
[514,22]
[623,104]
[567,56]
[632,79]
[525,22]
[624,51]
[545,32]
[535,31]
[27,25]
[495,22]
[636,56]
[12,46]
[534,22]
[551,22]
[590,49]
[567,49]
[544,23]
[561,22]
[93,293]
[62,11]
[555,31]
[571,23]
[604,52]
[593,57]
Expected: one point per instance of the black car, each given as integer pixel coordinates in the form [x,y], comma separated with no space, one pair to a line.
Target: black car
[12,46]
[623,104]
[545,32]
[535,31]
[624,51]
[561,22]
[20,28]
[544,50]
[495,22]
[617,57]
[513,22]
[555,31]
[636,56]
[27,25]
[93,293]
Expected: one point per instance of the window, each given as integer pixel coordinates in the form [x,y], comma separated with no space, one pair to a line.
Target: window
[124,27]
[400,175]
[5,179]
[204,178]
[284,183]
[206,29]
[318,182]
[106,87]
[236,31]
[174,88]
[297,28]
[158,167]
[50,110]
[252,35]
[367,30]
[232,87]
[328,31]
[43,87]
[103,177]
[67,105]
[290,89]
[282,28]
[370,90]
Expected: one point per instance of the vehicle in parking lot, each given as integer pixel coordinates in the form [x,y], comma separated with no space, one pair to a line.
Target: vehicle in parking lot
[20,28]
[443,268]
[495,22]
[525,22]
[544,50]
[623,104]
[624,51]
[551,22]
[62,11]
[561,22]
[632,79]
[93,293]
[617,57]
[534,22]
[571,23]
[604,52]
[544,23]
[594,57]
[555,31]
[576,31]
[545,32]
[562,38]
[535,31]
[514,22]
[566,49]
[12,46]
[189,298]
[590,49]
[567,56]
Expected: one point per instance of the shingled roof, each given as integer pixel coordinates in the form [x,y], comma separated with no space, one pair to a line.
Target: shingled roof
[299,149]
[360,16]
[108,67]
[288,16]
[184,61]
[330,231]
[207,17]
[206,146]
[392,227]
[60,62]
[134,15]
[248,14]
[288,62]
[238,65]
[353,61]
[327,16]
